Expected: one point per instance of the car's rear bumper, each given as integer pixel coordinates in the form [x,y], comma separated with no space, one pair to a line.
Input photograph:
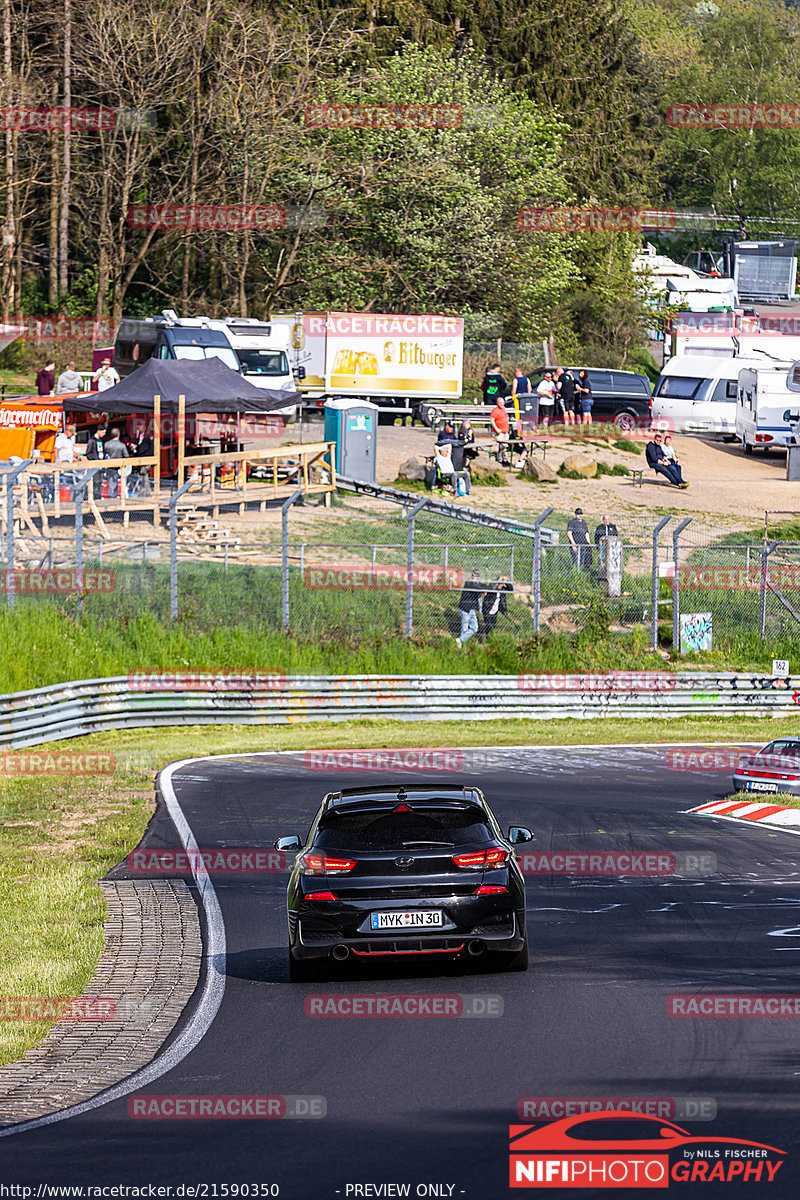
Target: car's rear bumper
[507,935]
[744,783]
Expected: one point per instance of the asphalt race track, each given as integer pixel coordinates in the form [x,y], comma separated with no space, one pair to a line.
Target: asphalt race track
[429,1101]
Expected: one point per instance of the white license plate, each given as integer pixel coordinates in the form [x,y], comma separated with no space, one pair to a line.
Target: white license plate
[427,918]
[762,787]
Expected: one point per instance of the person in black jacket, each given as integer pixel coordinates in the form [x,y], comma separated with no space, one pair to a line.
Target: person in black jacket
[494,385]
[605,529]
[95,452]
[662,465]
[494,604]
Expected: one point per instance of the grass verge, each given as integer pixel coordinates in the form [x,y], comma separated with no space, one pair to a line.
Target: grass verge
[60,835]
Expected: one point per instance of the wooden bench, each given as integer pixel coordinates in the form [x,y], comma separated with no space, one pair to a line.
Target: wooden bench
[637,475]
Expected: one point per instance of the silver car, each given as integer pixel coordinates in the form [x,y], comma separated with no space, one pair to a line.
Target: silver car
[774,768]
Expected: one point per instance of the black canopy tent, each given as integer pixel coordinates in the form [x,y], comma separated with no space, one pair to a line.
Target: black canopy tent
[207,385]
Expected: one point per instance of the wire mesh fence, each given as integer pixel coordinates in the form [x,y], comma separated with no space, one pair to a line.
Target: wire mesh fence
[373,568]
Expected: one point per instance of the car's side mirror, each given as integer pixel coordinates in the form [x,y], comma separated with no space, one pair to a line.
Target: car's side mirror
[518,833]
[289,843]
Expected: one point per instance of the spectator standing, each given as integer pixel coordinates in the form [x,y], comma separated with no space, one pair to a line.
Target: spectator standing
[522,391]
[116,448]
[494,605]
[105,376]
[567,391]
[65,453]
[498,419]
[95,452]
[494,384]
[469,603]
[546,392]
[46,379]
[605,529]
[583,389]
[69,381]
[560,416]
[578,538]
[145,448]
[660,463]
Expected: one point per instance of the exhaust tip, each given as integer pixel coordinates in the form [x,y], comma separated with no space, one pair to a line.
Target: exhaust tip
[340,953]
[475,948]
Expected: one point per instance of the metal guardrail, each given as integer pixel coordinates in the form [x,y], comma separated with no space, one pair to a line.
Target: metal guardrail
[68,710]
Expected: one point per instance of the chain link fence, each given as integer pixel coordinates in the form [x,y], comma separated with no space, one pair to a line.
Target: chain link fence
[368,567]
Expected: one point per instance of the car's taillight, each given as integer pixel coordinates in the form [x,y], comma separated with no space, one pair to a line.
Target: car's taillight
[479,860]
[487,890]
[322,864]
[322,896]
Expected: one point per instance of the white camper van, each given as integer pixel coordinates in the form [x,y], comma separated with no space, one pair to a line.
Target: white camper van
[696,393]
[767,406]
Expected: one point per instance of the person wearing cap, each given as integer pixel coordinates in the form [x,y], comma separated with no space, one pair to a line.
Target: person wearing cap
[105,376]
[578,538]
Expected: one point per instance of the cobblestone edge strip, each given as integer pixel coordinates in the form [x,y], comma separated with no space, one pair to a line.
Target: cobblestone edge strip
[149,967]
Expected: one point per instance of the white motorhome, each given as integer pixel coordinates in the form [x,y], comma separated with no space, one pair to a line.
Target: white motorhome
[696,393]
[258,350]
[262,352]
[767,406]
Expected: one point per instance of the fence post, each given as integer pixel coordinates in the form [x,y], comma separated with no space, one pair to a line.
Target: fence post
[287,504]
[173,550]
[762,589]
[676,591]
[536,581]
[410,566]
[78,490]
[10,480]
[655,587]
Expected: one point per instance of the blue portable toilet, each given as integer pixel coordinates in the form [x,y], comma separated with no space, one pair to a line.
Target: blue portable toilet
[353,425]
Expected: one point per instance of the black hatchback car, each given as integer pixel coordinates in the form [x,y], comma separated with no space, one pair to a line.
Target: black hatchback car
[620,397]
[401,871]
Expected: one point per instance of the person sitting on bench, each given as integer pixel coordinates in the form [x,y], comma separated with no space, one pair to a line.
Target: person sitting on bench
[661,464]
[447,471]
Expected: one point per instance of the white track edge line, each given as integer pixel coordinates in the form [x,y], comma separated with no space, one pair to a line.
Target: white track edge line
[213,988]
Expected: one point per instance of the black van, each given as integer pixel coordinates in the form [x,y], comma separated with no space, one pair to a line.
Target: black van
[621,397]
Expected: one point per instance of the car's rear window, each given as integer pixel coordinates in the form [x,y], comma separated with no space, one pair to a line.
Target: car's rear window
[782,747]
[388,830]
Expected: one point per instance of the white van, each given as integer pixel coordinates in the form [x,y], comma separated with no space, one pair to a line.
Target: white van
[696,393]
[767,406]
